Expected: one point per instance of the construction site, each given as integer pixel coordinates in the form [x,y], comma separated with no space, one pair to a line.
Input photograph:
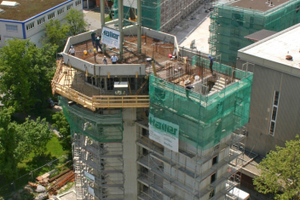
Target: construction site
[231,22]
[160,15]
[156,125]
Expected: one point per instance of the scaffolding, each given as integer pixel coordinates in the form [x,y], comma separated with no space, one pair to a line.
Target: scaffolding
[165,174]
[230,24]
[162,14]
[211,134]
[97,152]
[204,120]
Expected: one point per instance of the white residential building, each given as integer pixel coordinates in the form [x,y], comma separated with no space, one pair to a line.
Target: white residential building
[26,19]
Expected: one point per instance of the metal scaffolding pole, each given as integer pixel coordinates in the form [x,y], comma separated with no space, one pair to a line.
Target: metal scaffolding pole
[102,8]
[120,4]
[139,31]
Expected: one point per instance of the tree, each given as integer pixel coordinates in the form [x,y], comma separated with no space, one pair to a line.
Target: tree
[63,127]
[56,33]
[76,22]
[17,141]
[280,172]
[26,74]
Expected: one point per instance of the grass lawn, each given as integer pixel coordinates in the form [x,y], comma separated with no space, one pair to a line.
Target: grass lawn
[53,151]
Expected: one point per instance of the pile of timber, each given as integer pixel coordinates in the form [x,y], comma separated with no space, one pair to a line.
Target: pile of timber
[60,180]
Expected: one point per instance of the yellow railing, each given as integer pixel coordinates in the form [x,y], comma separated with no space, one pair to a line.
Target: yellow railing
[97,101]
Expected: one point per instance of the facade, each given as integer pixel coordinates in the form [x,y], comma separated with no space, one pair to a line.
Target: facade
[161,15]
[152,139]
[232,21]
[29,23]
[274,106]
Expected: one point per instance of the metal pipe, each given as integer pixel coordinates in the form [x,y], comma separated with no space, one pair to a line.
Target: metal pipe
[139,31]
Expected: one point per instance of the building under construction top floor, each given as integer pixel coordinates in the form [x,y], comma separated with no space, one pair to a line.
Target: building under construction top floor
[232,21]
[159,124]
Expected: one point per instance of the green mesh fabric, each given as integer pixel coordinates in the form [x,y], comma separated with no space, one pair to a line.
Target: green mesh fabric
[203,119]
[229,25]
[150,13]
[102,128]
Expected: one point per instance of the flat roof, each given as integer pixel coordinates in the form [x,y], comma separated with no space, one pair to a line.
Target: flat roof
[271,52]
[261,5]
[259,35]
[27,9]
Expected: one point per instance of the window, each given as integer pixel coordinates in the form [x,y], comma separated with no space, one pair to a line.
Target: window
[11,28]
[52,15]
[215,160]
[274,113]
[0,38]
[213,178]
[30,26]
[41,20]
[69,6]
[60,11]
[212,194]
[78,2]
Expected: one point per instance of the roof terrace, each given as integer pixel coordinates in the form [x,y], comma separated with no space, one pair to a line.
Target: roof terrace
[85,79]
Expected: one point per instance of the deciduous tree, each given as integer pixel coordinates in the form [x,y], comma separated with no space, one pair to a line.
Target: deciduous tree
[76,22]
[56,33]
[63,127]
[280,172]
[26,74]
[17,141]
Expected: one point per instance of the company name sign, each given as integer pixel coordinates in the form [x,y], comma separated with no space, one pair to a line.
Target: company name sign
[164,132]
[110,37]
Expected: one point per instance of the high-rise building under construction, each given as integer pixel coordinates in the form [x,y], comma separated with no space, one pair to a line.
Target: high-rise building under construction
[159,124]
[231,22]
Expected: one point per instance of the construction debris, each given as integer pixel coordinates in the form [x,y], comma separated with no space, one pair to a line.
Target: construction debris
[40,189]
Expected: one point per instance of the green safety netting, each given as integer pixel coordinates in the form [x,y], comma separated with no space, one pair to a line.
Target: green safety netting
[150,13]
[229,25]
[100,127]
[203,119]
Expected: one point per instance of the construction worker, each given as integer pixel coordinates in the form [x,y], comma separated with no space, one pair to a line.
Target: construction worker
[98,44]
[93,36]
[104,60]
[114,59]
[72,51]
[211,64]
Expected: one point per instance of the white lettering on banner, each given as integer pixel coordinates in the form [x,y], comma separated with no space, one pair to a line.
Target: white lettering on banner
[91,191]
[89,176]
[164,132]
[110,37]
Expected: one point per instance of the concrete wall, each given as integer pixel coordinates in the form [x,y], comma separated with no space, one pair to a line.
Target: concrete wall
[130,153]
[265,82]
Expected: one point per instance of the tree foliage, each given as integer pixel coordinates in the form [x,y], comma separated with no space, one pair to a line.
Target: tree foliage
[280,172]
[76,22]
[26,74]
[56,33]
[63,127]
[17,141]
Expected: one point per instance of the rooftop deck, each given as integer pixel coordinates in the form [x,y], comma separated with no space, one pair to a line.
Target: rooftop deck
[71,77]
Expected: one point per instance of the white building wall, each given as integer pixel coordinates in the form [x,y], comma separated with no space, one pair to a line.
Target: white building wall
[9,34]
[32,28]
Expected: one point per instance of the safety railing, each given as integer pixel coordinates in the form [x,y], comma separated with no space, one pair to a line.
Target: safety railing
[97,101]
